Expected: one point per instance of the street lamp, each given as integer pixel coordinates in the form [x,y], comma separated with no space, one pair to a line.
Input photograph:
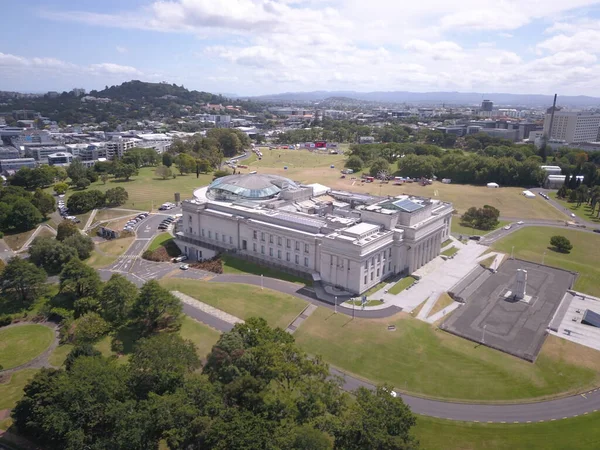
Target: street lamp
[543,257]
[261,281]
[483,338]
[335,309]
[512,253]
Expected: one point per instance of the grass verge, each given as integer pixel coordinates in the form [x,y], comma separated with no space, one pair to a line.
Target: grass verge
[583,211]
[457,228]
[12,390]
[442,302]
[441,365]
[160,241]
[201,335]
[21,344]
[241,300]
[401,285]
[235,265]
[450,252]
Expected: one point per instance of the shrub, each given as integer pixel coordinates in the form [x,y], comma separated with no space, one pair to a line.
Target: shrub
[561,244]
[5,320]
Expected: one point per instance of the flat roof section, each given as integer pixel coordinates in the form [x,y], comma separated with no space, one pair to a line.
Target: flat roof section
[361,228]
[515,327]
[591,318]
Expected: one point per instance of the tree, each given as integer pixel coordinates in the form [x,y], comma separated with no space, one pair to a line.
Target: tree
[573,195]
[380,165]
[582,194]
[163,171]
[125,171]
[61,188]
[65,229]
[104,177]
[79,279]
[83,201]
[355,163]
[167,160]
[485,218]
[88,328]
[82,244]
[185,163]
[82,183]
[22,281]
[561,244]
[76,170]
[24,216]
[116,300]
[155,309]
[85,349]
[50,254]
[202,166]
[44,202]
[116,196]
[159,363]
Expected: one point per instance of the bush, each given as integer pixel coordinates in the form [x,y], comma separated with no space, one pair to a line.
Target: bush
[84,201]
[5,320]
[220,173]
[214,265]
[354,163]
[561,244]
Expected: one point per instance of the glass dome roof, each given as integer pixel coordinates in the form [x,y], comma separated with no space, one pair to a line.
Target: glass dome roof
[252,186]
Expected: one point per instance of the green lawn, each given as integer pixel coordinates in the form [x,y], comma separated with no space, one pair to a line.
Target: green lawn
[241,300]
[450,252]
[58,356]
[442,302]
[530,243]
[457,228]
[376,288]
[146,190]
[12,390]
[160,240]
[488,261]
[201,335]
[421,359]
[581,433]
[235,265]
[583,211]
[446,242]
[401,285]
[107,252]
[15,240]
[22,343]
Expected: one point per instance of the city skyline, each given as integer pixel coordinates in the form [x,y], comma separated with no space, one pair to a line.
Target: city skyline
[252,47]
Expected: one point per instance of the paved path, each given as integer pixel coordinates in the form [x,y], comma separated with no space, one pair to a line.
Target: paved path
[37,231]
[305,314]
[5,251]
[428,306]
[208,309]
[443,313]
[90,220]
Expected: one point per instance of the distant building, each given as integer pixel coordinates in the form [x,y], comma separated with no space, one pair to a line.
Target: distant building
[8,152]
[526,128]
[78,92]
[551,170]
[10,166]
[60,159]
[456,130]
[366,140]
[511,135]
[40,152]
[570,126]
[487,105]
[556,181]
[117,147]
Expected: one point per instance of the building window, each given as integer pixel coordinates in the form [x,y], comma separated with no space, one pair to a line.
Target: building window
[209,234]
[190,229]
[372,261]
[377,273]
[254,246]
[279,240]
[202,230]
[262,237]
[390,253]
[390,266]
[366,265]
[231,240]
[365,280]
[262,249]
[331,260]
[371,276]
[216,236]
[297,246]
[255,234]
[378,258]
[189,219]
[270,239]
[223,237]
[288,243]
[306,262]
[306,247]
[270,252]
[297,259]
[279,254]
[287,257]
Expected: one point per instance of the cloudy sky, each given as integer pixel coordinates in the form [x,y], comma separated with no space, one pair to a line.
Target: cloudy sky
[253,47]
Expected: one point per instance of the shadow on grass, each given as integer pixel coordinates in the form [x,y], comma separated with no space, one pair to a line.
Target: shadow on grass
[248,267]
[128,336]
[556,250]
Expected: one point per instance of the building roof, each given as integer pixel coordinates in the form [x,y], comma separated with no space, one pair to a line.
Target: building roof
[253,186]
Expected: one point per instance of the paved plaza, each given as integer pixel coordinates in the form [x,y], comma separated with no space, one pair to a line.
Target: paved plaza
[513,326]
[569,323]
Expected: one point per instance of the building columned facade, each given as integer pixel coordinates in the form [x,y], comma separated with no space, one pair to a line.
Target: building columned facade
[343,239]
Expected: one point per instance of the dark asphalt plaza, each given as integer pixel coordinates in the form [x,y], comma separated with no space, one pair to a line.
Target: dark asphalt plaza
[514,327]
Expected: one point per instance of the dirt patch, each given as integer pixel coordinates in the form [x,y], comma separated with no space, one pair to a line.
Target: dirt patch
[164,253]
[214,265]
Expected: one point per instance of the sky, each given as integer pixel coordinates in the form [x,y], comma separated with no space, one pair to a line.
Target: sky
[254,47]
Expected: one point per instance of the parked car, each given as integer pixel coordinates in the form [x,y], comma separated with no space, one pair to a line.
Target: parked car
[475,238]
[180,258]
[162,227]
[507,227]
[520,222]
[184,266]
[596,230]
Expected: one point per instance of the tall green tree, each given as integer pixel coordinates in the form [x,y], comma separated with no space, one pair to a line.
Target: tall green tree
[167,160]
[50,254]
[82,244]
[79,279]
[116,300]
[22,282]
[116,196]
[44,202]
[65,229]
[23,216]
[156,309]
[76,170]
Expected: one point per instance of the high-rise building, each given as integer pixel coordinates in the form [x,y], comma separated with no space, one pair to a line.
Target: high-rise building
[570,126]
[487,105]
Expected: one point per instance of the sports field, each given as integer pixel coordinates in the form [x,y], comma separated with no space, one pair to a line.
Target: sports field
[421,359]
[530,243]
[310,167]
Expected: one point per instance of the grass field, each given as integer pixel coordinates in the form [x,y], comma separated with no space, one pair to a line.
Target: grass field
[201,335]
[583,211]
[58,356]
[581,433]
[241,300]
[107,252]
[450,252]
[457,228]
[421,359]
[401,285]
[108,214]
[16,240]
[308,167]
[160,240]
[530,243]
[12,391]
[22,343]
[146,190]
[442,302]
[488,261]
[235,265]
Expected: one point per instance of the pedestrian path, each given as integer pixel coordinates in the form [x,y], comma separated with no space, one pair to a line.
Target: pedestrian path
[428,306]
[443,313]
[292,327]
[28,242]
[90,220]
[222,315]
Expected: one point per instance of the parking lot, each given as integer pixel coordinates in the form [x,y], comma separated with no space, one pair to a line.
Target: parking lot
[514,327]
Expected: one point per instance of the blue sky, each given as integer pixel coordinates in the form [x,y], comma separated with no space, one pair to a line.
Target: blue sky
[254,47]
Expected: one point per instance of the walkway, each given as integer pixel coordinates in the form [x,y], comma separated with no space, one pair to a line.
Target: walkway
[89,221]
[305,314]
[219,314]
[37,231]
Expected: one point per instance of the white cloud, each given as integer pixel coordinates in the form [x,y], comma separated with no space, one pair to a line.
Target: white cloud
[121,49]
[504,58]
[114,69]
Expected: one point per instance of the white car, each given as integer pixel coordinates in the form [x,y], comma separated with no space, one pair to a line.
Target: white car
[572,215]
[520,222]
[507,227]
[184,266]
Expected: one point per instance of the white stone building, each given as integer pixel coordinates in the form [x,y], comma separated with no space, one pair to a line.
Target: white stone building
[571,126]
[342,239]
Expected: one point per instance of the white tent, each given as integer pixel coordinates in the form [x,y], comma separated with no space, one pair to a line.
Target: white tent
[528,194]
[493,185]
